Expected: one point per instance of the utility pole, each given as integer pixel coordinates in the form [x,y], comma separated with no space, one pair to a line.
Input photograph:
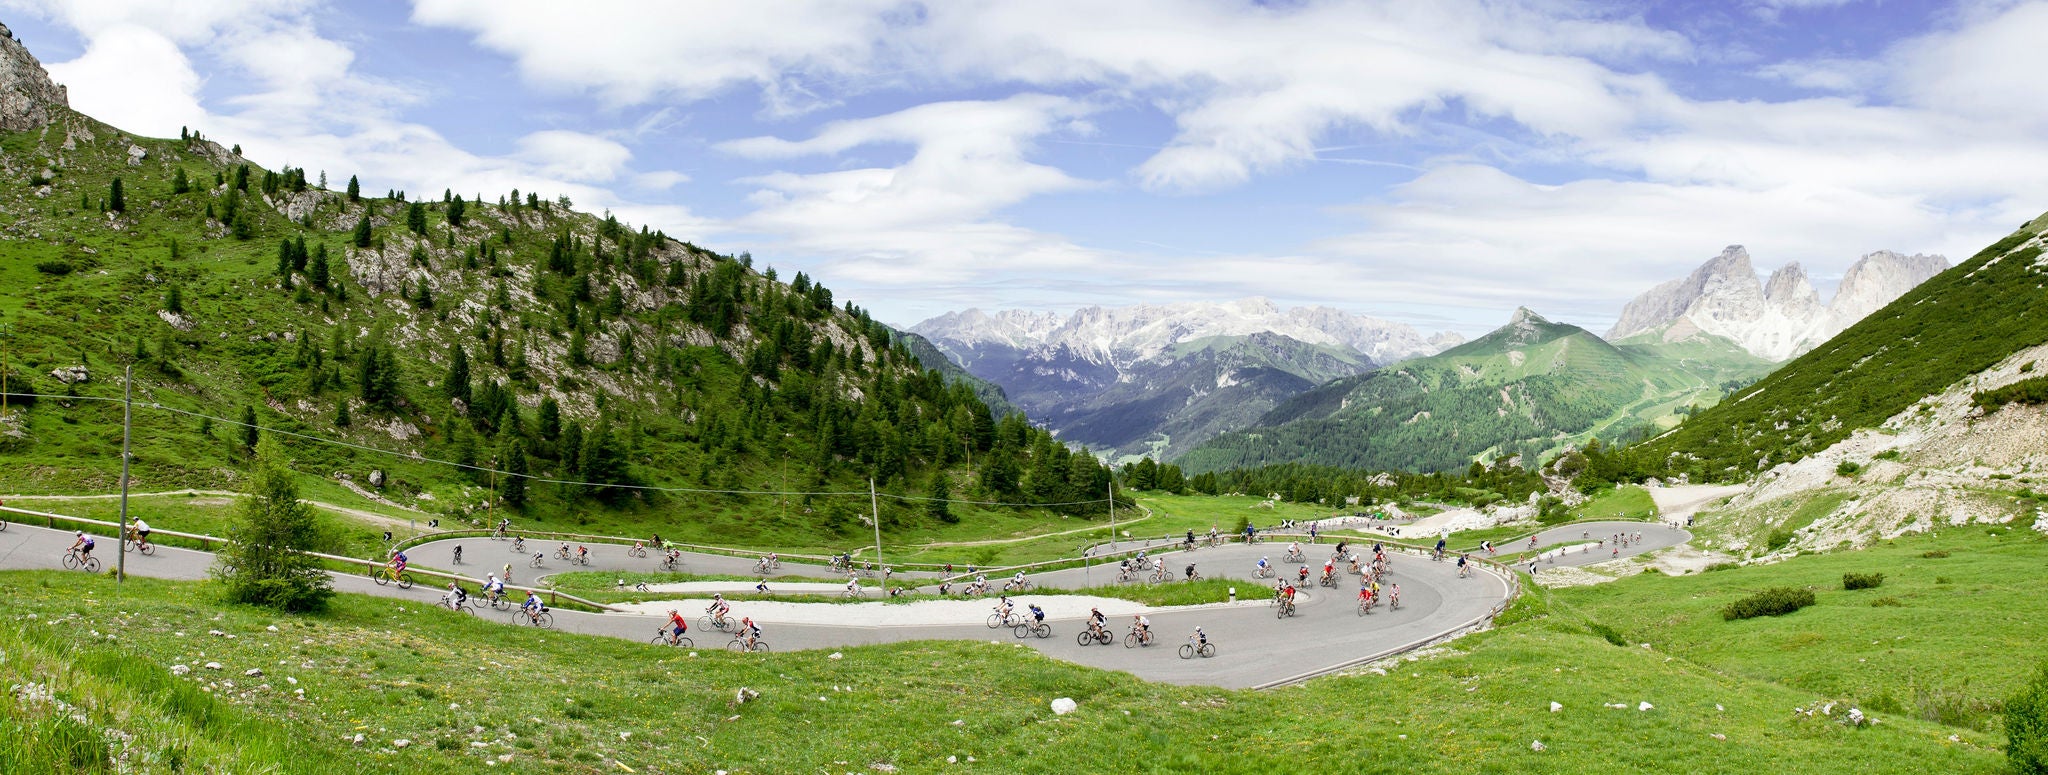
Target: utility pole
[127,404]
[875,503]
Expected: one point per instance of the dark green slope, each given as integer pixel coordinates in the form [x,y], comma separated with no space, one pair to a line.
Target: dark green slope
[1957,324]
[1523,389]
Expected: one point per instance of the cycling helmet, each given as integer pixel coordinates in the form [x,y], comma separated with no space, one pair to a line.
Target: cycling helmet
[1198,629]
[718,596]
[81,534]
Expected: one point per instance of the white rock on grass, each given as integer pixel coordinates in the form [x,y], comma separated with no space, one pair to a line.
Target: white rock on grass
[1064,706]
[400,743]
[1555,707]
[1538,746]
[253,672]
[835,655]
[180,670]
[212,665]
[1645,706]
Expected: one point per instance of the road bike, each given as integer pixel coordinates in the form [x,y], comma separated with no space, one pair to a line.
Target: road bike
[1191,648]
[1000,619]
[671,563]
[1159,575]
[1328,580]
[1040,629]
[581,559]
[1014,585]
[742,644]
[535,562]
[465,605]
[719,623]
[518,544]
[661,638]
[1263,573]
[73,560]
[562,553]
[1124,576]
[543,619]
[387,574]
[637,551]
[1194,575]
[1294,557]
[497,601]
[1365,606]
[1136,638]
[1094,635]
[1286,609]
[138,545]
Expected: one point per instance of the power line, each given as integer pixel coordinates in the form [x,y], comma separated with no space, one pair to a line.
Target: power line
[414,456]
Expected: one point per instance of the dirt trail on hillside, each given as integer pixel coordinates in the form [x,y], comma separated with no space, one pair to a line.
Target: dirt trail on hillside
[1676,503]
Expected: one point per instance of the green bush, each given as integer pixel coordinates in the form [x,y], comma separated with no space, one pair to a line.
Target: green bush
[1855,581]
[1934,554]
[1887,601]
[2026,726]
[1778,539]
[1848,468]
[1776,601]
[1722,566]
[57,268]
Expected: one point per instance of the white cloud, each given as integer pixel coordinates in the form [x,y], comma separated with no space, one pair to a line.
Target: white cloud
[133,78]
[574,156]
[1988,69]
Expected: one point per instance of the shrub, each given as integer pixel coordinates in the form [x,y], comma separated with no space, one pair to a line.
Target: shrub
[54,268]
[1887,601]
[1778,539]
[1848,468]
[1776,601]
[1722,566]
[2026,726]
[1889,454]
[1607,632]
[1855,581]
[1934,554]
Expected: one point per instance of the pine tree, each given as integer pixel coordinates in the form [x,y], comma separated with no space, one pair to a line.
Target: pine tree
[457,383]
[416,218]
[265,561]
[512,485]
[316,270]
[362,235]
[456,212]
[938,507]
[115,200]
[355,190]
[174,300]
[341,419]
[249,433]
[179,183]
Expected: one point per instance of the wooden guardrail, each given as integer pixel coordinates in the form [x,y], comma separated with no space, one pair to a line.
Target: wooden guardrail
[207,542]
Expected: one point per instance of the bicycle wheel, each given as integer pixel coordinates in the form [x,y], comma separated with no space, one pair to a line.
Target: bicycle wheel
[535,564]
[1187,651]
[405,581]
[1083,637]
[546,621]
[735,645]
[92,564]
[1020,631]
[70,560]
[1207,650]
[760,647]
[1363,609]
[1131,641]
[1042,630]
[995,620]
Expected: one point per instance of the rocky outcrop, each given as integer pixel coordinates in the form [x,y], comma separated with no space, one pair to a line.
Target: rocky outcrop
[28,98]
[1777,319]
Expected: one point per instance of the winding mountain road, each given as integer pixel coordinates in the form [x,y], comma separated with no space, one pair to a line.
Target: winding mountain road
[1255,648]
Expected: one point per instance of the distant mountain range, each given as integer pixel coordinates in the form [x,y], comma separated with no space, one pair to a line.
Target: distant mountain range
[1774,320]
[1527,388]
[1159,379]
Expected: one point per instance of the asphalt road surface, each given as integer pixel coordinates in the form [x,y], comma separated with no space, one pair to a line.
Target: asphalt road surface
[1254,647]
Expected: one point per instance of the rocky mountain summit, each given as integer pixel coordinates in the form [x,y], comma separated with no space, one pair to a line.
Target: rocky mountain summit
[1774,319]
[27,95]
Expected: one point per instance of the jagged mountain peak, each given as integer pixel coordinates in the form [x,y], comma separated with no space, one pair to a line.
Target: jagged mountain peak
[1525,317]
[1777,319]
[28,98]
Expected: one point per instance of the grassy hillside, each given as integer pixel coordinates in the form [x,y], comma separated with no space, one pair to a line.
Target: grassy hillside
[1954,325]
[591,351]
[1525,389]
[545,700]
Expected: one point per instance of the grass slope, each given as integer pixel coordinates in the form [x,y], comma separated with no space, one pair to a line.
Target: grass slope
[1954,325]
[1527,388]
[448,683]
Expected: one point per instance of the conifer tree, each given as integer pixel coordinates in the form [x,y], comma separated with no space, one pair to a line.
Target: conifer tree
[266,560]
[179,183]
[362,235]
[457,383]
[116,202]
[355,190]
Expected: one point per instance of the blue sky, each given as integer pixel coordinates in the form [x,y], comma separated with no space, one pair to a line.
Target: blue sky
[1432,163]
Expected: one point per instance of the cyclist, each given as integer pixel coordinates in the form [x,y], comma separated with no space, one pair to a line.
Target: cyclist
[531,606]
[456,597]
[1329,567]
[1141,559]
[773,560]
[1191,571]
[1201,638]
[83,546]
[1294,547]
[1212,533]
[141,531]
[1394,596]
[718,607]
[1461,564]
[508,573]
[654,540]
[1191,538]
[639,547]
[1302,576]
[1488,546]
[1249,531]
[675,555]
[1003,608]
[582,554]
[1037,614]
[493,588]
[563,552]
[398,561]
[503,525]
[945,587]
[1143,627]
[537,559]
[1017,580]
[1365,592]
[676,627]
[752,630]
[762,587]
[1262,566]
[1341,543]
[1096,621]
[852,586]
[519,544]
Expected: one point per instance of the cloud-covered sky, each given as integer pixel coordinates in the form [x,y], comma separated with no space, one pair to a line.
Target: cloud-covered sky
[1436,163]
